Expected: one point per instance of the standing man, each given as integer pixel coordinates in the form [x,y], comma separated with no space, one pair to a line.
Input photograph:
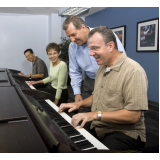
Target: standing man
[39,68]
[79,58]
[119,97]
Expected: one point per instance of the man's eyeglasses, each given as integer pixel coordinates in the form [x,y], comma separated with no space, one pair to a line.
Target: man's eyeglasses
[95,48]
[98,47]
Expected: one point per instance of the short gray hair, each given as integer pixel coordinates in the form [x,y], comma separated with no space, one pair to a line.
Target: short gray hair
[106,33]
[77,22]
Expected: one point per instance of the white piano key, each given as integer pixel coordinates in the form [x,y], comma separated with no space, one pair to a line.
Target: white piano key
[30,85]
[96,143]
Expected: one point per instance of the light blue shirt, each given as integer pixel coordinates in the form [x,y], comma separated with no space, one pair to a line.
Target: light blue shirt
[79,59]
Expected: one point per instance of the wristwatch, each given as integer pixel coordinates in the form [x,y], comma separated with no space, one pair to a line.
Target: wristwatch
[99,115]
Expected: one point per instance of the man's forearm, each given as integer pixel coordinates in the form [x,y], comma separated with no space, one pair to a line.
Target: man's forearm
[28,75]
[87,102]
[121,117]
[36,75]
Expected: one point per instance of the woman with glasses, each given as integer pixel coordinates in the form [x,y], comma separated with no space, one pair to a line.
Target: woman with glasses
[58,76]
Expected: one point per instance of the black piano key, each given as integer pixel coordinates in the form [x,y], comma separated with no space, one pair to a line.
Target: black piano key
[68,132]
[65,126]
[72,134]
[61,123]
[69,129]
[53,113]
[59,119]
[86,146]
[79,138]
[83,143]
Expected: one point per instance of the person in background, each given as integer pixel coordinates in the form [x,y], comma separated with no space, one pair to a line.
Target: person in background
[119,98]
[58,75]
[79,59]
[39,68]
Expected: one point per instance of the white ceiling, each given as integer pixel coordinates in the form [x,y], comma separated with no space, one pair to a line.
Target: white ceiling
[42,10]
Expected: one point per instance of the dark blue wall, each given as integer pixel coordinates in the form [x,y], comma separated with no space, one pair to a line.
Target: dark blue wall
[129,16]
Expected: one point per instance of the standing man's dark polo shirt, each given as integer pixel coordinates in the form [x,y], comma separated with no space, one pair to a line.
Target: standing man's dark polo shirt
[39,67]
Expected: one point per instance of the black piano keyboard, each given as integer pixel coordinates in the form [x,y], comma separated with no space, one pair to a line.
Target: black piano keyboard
[21,84]
[75,139]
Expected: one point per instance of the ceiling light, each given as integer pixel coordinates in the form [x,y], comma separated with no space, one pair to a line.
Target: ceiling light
[65,11]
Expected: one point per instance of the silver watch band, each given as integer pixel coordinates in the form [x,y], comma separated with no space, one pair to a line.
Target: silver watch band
[99,116]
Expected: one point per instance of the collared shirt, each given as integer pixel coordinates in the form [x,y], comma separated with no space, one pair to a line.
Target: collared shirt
[123,86]
[79,59]
[39,67]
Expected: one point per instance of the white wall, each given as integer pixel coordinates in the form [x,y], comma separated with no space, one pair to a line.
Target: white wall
[18,33]
[55,27]
[62,31]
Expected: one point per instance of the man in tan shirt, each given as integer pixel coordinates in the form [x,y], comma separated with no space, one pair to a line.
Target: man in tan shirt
[119,97]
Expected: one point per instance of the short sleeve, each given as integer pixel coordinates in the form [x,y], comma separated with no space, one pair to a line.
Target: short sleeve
[135,91]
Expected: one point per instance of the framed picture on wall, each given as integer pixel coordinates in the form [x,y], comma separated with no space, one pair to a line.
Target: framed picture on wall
[121,33]
[147,36]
